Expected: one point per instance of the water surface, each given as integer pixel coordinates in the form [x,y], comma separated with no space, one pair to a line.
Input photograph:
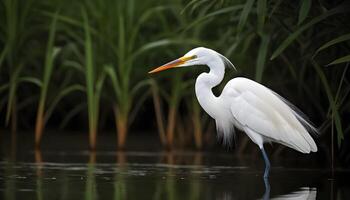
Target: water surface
[162,175]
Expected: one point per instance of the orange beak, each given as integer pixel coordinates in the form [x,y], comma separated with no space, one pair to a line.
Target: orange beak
[172,64]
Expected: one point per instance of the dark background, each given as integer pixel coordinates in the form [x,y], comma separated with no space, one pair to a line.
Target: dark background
[86,63]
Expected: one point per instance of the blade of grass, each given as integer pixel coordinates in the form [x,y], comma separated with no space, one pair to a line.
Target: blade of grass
[27,102]
[247,42]
[290,66]
[262,54]
[138,86]
[89,78]
[200,5]
[158,111]
[31,80]
[3,55]
[335,113]
[62,93]
[137,105]
[334,41]
[67,20]
[213,14]
[274,8]
[99,86]
[4,87]
[343,59]
[12,93]
[73,65]
[75,111]
[339,9]
[189,4]
[244,15]
[49,59]
[164,42]
[341,82]
[261,14]
[156,11]
[304,10]
[121,43]
[114,79]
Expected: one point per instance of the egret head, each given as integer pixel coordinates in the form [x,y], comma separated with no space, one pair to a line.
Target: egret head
[197,56]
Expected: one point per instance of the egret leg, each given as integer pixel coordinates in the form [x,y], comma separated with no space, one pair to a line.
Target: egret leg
[267,163]
[267,189]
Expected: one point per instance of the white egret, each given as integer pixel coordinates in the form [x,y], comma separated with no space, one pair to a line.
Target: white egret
[251,107]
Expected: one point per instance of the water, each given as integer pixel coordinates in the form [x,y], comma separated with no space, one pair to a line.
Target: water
[162,175]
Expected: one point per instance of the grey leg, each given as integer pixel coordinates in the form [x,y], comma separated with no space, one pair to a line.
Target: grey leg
[267,163]
[267,189]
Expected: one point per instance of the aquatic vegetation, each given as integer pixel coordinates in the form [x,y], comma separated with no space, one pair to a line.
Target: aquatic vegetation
[83,65]
[93,85]
[14,42]
[48,68]
[292,36]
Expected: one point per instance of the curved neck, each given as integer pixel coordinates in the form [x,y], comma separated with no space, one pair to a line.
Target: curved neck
[206,81]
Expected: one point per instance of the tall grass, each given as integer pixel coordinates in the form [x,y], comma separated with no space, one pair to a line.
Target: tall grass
[13,37]
[92,94]
[122,47]
[48,101]
[292,44]
[105,48]
[48,68]
[113,46]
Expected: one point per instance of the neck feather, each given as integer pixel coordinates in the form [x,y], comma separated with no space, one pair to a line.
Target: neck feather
[206,81]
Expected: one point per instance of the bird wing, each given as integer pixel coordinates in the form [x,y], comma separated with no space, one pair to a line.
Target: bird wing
[261,110]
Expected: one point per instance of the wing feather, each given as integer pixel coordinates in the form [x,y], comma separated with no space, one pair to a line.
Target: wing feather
[264,112]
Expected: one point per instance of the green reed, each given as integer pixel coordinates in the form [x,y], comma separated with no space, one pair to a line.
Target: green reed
[13,26]
[307,32]
[48,69]
[106,50]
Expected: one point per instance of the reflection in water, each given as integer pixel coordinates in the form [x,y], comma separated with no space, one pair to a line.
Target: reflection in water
[304,193]
[157,176]
[195,187]
[170,187]
[9,170]
[39,173]
[119,180]
[90,191]
[171,184]
[267,189]
[165,187]
[9,183]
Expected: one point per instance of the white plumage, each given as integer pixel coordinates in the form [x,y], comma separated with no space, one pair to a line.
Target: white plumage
[260,112]
[251,107]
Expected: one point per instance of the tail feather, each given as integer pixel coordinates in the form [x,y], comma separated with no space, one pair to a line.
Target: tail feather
[302,118]
[303,130]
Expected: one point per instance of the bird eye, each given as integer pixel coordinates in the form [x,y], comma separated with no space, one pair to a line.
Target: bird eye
[194,56]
